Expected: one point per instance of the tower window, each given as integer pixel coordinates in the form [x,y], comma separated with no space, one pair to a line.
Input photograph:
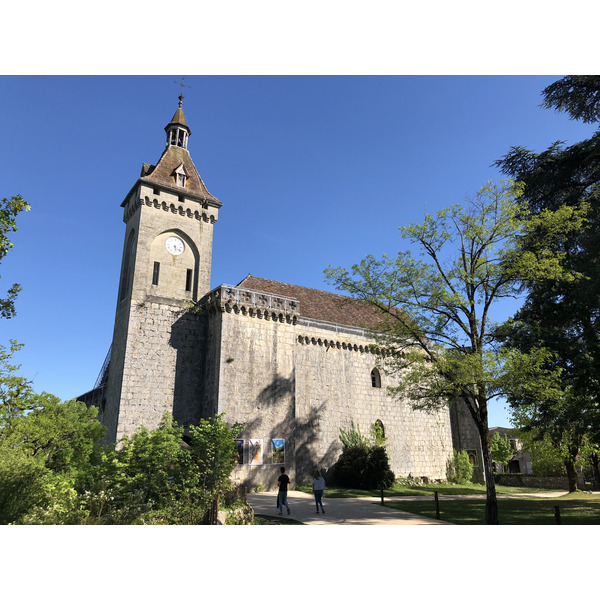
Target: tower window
[188,280]
[181,179]
[155,273]
[375,378]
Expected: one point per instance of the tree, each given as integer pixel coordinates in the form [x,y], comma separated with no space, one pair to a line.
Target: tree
[501,449]
[16,393]
[9,209]
[436,329]
[45,447]
[155,478]
[563,316]
[460,469]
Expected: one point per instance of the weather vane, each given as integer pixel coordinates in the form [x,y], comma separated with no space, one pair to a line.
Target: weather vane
[182,86]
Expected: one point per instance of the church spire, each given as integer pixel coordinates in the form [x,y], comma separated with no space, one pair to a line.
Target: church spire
[178,130]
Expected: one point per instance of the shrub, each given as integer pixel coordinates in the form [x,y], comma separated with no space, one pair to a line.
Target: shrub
[363,467]
[459,468]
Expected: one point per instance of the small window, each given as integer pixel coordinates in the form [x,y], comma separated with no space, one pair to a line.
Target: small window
[188,281]
[155,273]
[375,378]
[181,179]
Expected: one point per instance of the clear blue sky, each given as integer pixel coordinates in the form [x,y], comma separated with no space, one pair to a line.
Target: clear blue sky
[312,171]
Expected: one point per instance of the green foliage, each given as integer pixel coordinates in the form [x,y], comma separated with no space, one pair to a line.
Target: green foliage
[22,483]
[353,436]
[501,449]
[561,315]
[155,479]
[62,434]
[364,462]
[16,394]
[436,333]
[577,95]
[377,434]
[459,469]
[9,209]
[363,467]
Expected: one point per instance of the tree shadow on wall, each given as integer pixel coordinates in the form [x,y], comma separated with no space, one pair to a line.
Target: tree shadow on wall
[188,339]
[277,391]
[300,435]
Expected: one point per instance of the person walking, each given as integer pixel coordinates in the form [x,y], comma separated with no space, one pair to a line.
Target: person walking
[283,481]
[318,490]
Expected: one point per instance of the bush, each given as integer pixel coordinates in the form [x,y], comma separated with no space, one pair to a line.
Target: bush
[363,467]
[459,468]
[22,484]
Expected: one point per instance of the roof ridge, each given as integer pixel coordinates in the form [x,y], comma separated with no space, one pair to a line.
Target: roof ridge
[299,286]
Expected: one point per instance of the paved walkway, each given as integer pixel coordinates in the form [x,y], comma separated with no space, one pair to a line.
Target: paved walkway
[359,511]
[338,511]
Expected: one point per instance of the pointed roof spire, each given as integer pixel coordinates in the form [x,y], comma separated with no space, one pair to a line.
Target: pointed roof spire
[179,118]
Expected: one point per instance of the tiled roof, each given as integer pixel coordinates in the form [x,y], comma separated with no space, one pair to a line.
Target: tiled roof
[320,305]
[162,173]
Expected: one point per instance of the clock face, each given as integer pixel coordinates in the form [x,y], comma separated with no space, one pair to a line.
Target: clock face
[175,246]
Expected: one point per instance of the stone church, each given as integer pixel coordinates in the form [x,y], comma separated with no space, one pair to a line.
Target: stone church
[293,364]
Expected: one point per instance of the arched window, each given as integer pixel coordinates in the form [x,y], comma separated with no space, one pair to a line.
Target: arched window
[379,429]
[375,378]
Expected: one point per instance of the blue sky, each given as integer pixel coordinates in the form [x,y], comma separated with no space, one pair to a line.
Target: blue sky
[312,171]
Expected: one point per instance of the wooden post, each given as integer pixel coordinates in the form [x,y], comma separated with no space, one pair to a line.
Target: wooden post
[437,505]
[557,515]
[381,494]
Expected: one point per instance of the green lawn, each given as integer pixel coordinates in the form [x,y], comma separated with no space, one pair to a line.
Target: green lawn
[578,508]
[444,489]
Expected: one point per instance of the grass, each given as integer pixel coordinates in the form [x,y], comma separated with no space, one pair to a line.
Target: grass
[444,489]
[577,508]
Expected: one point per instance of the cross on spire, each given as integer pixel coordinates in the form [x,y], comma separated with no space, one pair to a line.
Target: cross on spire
[182,86]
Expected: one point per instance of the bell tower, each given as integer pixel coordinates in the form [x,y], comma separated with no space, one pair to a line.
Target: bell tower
[169,216]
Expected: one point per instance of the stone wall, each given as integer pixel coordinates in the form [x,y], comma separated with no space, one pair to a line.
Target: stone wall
[289,378]
[535,481]
[163,366]
[256,379]
[335,389]
[465,436]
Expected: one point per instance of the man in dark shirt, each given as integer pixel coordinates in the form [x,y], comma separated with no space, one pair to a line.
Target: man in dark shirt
[283,481]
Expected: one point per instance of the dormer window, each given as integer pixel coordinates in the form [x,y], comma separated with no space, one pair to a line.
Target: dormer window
[180,175]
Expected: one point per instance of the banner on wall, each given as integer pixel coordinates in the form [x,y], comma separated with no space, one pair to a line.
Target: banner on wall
[278,448]
[255,452]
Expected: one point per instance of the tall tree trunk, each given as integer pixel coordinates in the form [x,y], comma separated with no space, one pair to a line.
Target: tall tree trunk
[491,503]
[594,458]
[478,408]
[571,475]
